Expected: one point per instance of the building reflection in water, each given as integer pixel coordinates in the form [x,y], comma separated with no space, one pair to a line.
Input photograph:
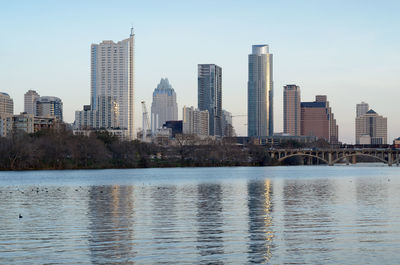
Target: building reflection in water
[164,219]
[308,214]
[111,218]
[260,221]
[372,212]
[210,224]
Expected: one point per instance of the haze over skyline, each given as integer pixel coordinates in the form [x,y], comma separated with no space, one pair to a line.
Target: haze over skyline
[345,50]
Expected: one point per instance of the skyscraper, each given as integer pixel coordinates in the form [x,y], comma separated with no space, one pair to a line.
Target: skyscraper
[112,84]
[372,128]
[260,93]
[30,98]
[361,109]
[210,95]
[291,110]
[164,107]
[317,119]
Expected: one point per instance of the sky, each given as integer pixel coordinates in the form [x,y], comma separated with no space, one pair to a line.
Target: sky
[347,50]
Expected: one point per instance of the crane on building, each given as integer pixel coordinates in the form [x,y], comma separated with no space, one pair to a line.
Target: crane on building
[145,122]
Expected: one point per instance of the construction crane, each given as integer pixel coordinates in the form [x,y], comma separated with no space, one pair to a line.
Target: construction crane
[145,121]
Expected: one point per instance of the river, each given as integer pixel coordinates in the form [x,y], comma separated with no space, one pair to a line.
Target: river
[238,215]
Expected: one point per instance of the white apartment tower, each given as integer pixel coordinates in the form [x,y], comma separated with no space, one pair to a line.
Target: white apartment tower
[164,107]
[195,121]
[30,99]
[112,85]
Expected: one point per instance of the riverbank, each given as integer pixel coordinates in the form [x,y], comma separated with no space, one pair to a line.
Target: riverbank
[60,149]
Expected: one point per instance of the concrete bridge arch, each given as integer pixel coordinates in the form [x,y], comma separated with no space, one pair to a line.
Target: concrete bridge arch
[302,154]
[359,154]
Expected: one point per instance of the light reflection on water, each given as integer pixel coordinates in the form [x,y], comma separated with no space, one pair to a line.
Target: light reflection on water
[306,215]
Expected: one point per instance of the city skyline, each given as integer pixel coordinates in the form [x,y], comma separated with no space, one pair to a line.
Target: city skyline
[329,58]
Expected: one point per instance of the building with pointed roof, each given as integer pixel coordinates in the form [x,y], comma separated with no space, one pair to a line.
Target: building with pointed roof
[164,107]
[371,126]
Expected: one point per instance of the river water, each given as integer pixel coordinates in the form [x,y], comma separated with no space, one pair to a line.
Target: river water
[242,215]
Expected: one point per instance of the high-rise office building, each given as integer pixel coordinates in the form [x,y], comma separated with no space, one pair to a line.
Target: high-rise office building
[30,98]
[291,110]
[317,119]
[164,107]
[49,107]
[260,93]
[361,109]
[112,88]
[210,95]
[371,128]
[195,121]
[6,103]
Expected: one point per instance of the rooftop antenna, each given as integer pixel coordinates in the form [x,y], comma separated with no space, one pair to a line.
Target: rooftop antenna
[132,30]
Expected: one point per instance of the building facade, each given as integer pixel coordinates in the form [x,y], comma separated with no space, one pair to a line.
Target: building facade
[164,107]
[30,99]
[209,95]
[260,93]
[291,110]
[371,126]
[86,119]
[6,123]
[174,126]
[49,107]
[227,125]
[361,109]
[112,89]
[317,119]
[6,103]
[23,122]
[195,121]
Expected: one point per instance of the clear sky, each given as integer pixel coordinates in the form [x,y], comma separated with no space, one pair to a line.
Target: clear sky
[348,50]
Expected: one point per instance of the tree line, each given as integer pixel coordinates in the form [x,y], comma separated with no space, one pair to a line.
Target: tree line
[60,149]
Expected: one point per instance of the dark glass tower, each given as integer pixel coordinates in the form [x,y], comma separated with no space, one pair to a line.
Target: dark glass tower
[210,95]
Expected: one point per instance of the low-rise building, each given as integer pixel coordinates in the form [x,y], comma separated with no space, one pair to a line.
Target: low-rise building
[396,143]
[23,122]
[175,126]
[40,123]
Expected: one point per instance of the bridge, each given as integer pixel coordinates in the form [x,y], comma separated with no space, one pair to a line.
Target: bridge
[333,156]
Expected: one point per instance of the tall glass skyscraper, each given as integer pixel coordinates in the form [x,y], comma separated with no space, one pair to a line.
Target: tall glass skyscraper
[209,95]
[260,93]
